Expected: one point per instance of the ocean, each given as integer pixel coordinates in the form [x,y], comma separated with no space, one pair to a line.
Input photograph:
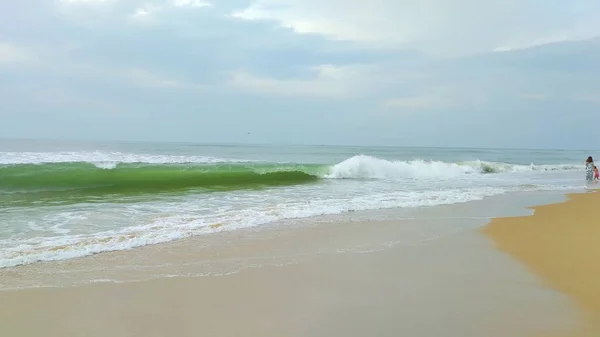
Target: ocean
[61,200]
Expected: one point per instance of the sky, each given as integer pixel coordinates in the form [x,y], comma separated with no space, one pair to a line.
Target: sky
[496,73]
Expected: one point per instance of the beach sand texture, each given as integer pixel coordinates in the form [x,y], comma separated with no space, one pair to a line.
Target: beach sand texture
[561,244]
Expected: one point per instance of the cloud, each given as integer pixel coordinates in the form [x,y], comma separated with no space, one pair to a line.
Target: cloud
[191,3]
[436,26]
[94,12]
[146,78]
[138,77]
[326,81]
[149,10]
[84,1]
[534,96]
[12,54]
[146,11]
[386,69]
[443,97]
[63,98]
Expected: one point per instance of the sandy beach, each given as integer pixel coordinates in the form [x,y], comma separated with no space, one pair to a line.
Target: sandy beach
[561,244]
[437,274]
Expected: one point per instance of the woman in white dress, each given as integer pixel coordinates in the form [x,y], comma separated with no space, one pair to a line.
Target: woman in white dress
[589,169]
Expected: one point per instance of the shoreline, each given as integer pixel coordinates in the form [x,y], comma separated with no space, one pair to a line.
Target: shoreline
[560,243]
[153,257]
[454,286]
[355,278]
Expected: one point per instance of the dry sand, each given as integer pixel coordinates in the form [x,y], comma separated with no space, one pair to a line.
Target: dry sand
[560,243]
[433,278]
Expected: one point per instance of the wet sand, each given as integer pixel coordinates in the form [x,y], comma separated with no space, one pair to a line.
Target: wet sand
[430,275]
[561,244]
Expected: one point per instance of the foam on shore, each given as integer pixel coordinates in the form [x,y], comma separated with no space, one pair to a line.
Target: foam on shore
[561,244]
[428,274]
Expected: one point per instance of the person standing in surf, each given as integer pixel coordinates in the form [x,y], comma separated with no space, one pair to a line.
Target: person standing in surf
[589,169]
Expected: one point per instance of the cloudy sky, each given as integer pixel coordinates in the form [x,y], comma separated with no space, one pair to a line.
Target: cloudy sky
[498,73]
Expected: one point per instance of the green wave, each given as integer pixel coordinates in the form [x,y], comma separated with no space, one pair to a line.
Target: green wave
[85,180]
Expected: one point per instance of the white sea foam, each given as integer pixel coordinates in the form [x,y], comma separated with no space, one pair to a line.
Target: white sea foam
[180,220]
[106,165]
[105,160]
[367,167]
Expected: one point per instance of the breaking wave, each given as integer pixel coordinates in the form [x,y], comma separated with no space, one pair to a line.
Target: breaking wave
[156,174]
[367,167]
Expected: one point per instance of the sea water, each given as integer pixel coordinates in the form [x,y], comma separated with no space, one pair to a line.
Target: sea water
[61,200]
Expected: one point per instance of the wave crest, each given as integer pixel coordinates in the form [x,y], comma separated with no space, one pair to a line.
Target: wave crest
[109,160]
[367,167]
[127,175]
